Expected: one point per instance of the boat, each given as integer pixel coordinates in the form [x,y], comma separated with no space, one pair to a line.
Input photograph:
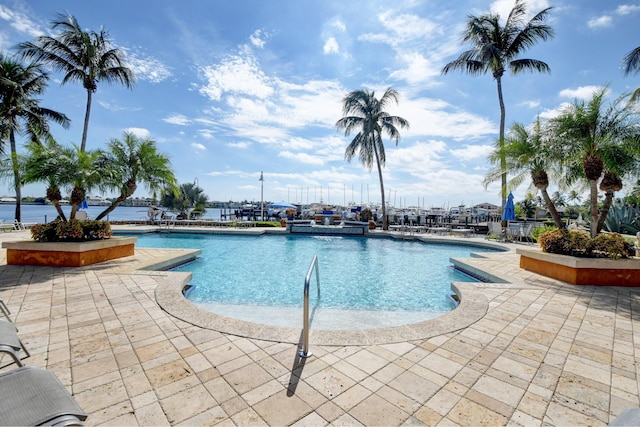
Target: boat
[97,201]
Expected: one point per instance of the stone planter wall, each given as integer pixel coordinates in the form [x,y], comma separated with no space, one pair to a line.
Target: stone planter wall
[581,271]
[68,254]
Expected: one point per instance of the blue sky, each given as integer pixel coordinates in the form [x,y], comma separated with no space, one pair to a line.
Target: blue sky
[228,89]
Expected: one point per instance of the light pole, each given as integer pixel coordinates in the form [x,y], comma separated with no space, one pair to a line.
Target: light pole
[261,196]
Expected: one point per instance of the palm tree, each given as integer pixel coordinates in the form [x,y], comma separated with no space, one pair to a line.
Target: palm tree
[574,196]
[20,111]
[131,161]
[189,201]
[64,167]
[495,48]
[597,140]
[364,113]
[47,162]
[526,152]
[631,64]
[82,56]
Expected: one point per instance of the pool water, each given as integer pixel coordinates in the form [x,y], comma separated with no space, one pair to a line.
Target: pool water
[373,282]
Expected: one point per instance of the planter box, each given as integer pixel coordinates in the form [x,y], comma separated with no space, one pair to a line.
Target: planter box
[68,254]
[582,271]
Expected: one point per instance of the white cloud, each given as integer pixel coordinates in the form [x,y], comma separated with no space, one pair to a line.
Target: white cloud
[504,7]
[257,39]
[241,145]
[582,92]
[139,132]
[177,119]
[470,152]
[418,70]
[236,75]
[600,22]
[146,67]
[401,29]
[331,46]
[198,146]
[626,9]
[553,112]
[302,157]
[20,22]
[530,104]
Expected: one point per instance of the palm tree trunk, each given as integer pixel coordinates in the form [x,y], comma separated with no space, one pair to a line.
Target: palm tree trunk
[16,175]
[61,214]
[593,200]
[111,207]
[85,129]
[503,160]
[385,223]
[552,209]
[608,201]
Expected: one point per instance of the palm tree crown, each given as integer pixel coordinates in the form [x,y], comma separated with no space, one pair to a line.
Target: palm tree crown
[364,113]
[496,48]
[83,56]
[631,64]
[20,111]
[134,160]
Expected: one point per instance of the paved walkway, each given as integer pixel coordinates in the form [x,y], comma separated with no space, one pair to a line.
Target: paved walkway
[542,353]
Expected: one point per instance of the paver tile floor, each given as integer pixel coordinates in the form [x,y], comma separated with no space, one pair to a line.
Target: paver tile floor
[544,353]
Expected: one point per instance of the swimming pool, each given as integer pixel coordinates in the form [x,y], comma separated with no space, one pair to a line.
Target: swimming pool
[364,282]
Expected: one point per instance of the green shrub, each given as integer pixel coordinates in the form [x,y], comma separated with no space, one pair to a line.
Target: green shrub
[580,243]
[611,245]
[536,232]
[71,231]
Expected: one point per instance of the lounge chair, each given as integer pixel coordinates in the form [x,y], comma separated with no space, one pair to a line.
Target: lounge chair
[5,310]
[10,343]
[30,396]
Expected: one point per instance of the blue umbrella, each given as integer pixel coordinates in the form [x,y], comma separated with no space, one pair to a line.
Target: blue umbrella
[509,213]
[84,204]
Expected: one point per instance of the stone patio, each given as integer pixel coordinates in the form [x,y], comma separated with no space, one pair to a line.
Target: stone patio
[543,353]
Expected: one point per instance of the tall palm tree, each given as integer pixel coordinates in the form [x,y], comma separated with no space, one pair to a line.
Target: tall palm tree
[82,56]
[364,113]
[526,152]
[495,48]
[134,160]
[631,64]
[20,111]
[596,139]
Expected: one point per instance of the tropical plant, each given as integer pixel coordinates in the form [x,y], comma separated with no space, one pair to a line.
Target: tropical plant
[188,202]
[596,140]
[526,153]
[495,48]
[131,161]
[21,113]
[623,218]
[527,206]
[64,167]
[631,64]
[364,113]
[82,56]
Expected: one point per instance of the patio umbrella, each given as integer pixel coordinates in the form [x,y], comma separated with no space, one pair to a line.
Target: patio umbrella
[509,213]
[84,204]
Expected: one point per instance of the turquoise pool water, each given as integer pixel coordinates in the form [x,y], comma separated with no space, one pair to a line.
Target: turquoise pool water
[372,282]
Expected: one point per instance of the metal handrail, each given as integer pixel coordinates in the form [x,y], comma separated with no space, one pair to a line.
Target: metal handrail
[305,352]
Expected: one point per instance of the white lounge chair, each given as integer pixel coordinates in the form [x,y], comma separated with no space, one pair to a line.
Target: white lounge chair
[10,343]
[30,396]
